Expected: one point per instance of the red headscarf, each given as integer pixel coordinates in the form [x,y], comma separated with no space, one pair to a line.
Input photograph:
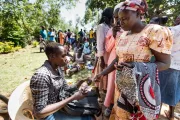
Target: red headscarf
[135,5]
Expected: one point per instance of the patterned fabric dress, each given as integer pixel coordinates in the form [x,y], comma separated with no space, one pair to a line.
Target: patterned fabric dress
[137,48]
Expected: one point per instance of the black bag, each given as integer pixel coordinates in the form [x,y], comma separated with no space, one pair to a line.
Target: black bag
[87,106]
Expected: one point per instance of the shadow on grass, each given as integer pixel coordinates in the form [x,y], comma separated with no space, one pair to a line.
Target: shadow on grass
[36,52]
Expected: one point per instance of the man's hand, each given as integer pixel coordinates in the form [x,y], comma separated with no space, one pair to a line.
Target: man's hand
[79,83]
[85,89]
[88,80]
[79,95]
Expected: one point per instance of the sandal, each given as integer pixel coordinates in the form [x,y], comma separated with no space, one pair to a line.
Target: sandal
[167,115]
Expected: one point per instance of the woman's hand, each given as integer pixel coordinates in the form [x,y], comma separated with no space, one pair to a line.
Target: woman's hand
[121,65]
[80,82]
[88,80]
[97,78]
[115,30]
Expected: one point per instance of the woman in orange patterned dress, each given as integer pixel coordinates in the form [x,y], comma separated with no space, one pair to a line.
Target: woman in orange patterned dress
[138,43]
[111,36]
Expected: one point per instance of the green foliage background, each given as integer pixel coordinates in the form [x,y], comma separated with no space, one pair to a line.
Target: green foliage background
[170,8]
[20,20]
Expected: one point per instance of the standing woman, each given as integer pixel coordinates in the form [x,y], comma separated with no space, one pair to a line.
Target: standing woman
[102,29]
[111,36]
[170,79]
[138,44]
[61,37]
[51,35]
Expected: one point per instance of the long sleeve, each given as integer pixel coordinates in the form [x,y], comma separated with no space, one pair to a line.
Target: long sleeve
[40,90]
[100,40]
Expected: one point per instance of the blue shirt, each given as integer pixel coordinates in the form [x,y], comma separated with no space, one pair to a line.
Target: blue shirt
[43,33]
[86,49]
[51,37]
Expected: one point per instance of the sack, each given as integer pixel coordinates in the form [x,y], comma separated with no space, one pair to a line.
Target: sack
[87,106]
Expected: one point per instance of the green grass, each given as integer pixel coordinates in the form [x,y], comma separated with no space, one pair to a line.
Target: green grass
[18,67]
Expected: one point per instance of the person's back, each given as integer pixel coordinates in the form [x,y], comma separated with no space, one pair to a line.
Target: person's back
[91,34]
[85,34]
[86,49]
[175,59]
[61,38]
[43,33]
[51,35]
[69,34]
[81,33]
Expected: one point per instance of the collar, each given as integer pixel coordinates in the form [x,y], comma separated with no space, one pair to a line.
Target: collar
[53,74]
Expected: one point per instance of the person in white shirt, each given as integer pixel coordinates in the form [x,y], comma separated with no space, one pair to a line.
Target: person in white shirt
[170,79]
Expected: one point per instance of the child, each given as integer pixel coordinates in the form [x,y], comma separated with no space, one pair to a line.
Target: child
[80,60]
[42,43]
[77,47]
[69,57]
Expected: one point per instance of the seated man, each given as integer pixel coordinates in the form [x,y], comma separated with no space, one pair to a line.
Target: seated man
[48,82]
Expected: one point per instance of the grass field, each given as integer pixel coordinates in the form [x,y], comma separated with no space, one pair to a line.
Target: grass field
[15,68]
[18,67]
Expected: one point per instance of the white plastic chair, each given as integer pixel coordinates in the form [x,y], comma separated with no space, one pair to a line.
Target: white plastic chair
[21,103]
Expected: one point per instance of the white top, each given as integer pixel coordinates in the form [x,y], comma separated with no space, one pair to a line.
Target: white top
[175,55]
[81,59]
[102,30]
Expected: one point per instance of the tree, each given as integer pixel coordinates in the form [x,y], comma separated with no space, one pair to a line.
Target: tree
[78,20]
[156,7]
[20,19]
[70,23]
[88,16]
